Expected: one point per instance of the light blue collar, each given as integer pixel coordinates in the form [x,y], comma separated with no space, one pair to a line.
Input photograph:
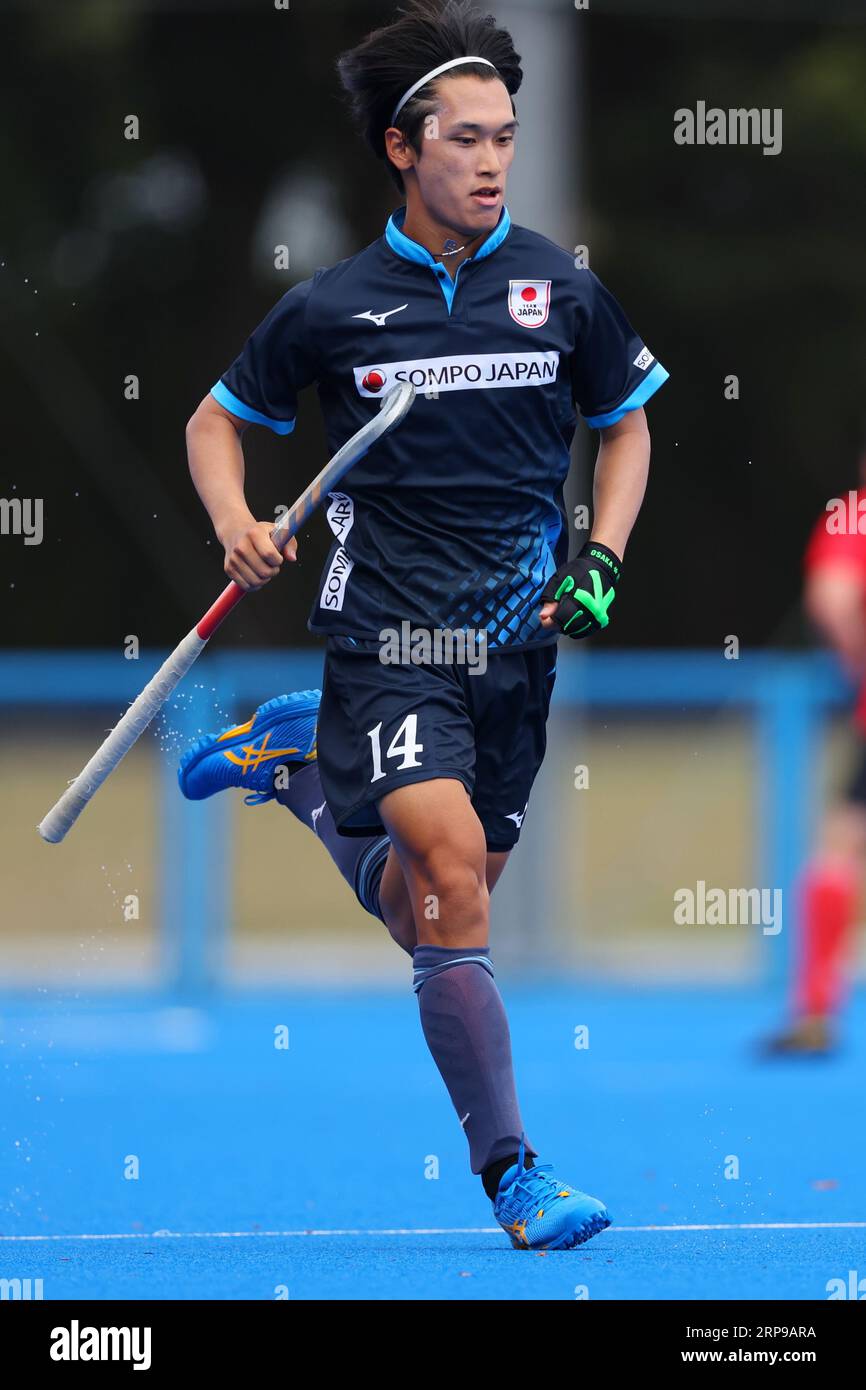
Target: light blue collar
[412,250]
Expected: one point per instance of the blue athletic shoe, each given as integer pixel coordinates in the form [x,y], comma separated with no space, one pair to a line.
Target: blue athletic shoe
[281,732]
[539,1212]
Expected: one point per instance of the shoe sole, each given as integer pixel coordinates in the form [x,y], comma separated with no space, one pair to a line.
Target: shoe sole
[579,1236]
[583,1233]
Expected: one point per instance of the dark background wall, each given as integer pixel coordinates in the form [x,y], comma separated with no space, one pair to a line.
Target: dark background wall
[155,257]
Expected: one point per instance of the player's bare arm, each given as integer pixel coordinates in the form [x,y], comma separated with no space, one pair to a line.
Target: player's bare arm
[216,465]
[621,472]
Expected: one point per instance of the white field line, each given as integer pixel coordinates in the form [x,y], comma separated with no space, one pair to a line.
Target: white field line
[442,1231]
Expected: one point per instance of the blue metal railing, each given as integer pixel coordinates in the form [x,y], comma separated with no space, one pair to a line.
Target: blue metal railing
[787,694]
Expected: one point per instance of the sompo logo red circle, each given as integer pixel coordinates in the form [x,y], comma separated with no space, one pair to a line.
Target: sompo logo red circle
[374,380]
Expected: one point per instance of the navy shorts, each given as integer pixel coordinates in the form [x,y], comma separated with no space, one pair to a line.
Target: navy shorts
[385,726]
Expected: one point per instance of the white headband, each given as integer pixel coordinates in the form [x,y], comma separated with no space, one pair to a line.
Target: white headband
[428,77]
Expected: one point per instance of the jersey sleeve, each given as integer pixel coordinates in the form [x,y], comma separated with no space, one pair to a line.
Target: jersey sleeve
[277,361]
[612,370]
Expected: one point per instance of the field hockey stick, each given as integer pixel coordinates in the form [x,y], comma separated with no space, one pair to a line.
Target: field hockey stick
[63,815]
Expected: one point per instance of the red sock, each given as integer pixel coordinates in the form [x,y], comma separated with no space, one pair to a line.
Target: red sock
[828,901]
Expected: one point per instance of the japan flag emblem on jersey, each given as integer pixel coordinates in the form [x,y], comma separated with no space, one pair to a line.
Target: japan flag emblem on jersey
[529,302]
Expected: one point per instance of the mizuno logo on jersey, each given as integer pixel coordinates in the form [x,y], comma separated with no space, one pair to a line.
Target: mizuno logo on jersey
[517,816]
[483,372]
[379,319]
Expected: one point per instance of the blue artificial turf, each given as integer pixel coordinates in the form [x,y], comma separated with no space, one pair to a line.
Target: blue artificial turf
[236,1139]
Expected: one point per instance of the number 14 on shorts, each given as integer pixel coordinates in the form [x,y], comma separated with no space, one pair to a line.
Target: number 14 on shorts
[403,745]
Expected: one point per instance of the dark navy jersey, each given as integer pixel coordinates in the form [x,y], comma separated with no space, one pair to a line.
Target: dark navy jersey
[456,518]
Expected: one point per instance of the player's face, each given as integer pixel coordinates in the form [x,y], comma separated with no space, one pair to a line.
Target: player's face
[466,155]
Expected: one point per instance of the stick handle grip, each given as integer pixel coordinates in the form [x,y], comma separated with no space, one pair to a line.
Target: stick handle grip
[228,599]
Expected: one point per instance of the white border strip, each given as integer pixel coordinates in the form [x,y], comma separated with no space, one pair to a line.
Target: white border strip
[441,1231]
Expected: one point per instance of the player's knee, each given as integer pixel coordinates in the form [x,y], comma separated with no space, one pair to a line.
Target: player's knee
[450,872]
[449,890]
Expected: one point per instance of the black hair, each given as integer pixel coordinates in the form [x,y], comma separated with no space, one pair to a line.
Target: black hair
[389,60]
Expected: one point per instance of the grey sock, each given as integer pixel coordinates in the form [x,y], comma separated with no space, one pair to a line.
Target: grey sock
[466,1028]
[360,859]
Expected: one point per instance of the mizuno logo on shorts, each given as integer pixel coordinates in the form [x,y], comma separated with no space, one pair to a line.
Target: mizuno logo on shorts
[482,371]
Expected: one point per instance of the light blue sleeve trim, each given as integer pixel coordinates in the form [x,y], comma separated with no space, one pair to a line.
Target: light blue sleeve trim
[650,384]
[223,396]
